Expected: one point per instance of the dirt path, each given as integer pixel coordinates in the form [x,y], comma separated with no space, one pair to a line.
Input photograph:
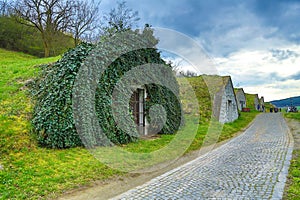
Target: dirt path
[294,126]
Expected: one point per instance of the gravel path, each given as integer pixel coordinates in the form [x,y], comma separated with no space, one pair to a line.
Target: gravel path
[253,165]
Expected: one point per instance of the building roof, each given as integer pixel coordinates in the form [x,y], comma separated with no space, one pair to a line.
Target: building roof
[239,90]
[216,83]
[252,100]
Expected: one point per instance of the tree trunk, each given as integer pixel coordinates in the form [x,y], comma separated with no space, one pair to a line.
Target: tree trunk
[76,38]
[76,41]
[46,51]
[46,45]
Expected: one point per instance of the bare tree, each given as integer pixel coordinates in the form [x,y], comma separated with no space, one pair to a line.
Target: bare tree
[85,19]
[120,19]
[48,16]
[5,8]
[176,65]
[92,36]
[188,73]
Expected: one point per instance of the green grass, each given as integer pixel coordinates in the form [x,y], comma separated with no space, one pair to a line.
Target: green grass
[31,172]
[15,106]
[228,131]
[41,173]
[191,88]
[293,189]
[242,122]
[202,92]
[186,142]
[293,115]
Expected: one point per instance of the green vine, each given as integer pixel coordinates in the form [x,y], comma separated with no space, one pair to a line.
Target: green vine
[53,119]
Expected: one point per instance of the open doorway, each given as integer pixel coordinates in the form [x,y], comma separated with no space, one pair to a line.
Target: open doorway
[229,110]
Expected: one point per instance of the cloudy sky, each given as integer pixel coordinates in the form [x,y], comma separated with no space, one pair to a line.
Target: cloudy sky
[257,42]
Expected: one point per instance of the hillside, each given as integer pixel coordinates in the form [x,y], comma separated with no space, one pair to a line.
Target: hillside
[294,101]
[15,107]
[19,37]
[28,171]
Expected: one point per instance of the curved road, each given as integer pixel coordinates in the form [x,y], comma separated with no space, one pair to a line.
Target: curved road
[253,165]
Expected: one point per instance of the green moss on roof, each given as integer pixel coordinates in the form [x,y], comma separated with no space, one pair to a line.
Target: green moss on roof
[215,83]
[205,87]
[236,90]
[250,100]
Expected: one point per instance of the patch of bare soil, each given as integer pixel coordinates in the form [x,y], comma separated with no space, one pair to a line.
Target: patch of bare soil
[294,126]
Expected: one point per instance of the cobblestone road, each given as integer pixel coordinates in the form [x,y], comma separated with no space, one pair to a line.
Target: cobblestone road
[253,165]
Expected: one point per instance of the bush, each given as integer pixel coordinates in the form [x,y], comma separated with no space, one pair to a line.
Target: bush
[53,119]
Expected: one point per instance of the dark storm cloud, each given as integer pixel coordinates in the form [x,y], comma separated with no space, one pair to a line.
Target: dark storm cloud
[223,26]
[236,33]
[283,14]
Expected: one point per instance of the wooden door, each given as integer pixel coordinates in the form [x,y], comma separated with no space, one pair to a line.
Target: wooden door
[137,107]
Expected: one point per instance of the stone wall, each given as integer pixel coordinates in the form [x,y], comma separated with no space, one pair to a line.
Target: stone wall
[262,104]
[240,98]
[229,109]
[256,102]
[224,100]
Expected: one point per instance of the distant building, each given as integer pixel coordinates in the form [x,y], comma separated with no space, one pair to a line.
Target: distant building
[225,108]
[256,102]
[262,104]
[240,98]
[252,101]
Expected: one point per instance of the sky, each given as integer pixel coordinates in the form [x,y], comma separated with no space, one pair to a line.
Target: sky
[256,42]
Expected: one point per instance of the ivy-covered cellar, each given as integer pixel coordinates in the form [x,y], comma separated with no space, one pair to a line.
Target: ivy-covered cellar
[53,116]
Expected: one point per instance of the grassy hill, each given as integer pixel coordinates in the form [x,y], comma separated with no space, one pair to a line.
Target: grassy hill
[16,69]
[19,37]
[295,101]
[32,172]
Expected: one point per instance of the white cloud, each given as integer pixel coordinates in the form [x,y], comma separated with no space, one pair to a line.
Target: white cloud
[186,48]
[276,91]
[260,72]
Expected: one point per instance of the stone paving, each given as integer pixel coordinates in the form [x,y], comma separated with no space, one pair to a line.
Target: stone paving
[253,165]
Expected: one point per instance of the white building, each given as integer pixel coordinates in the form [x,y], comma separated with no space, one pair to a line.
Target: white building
[225,108]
